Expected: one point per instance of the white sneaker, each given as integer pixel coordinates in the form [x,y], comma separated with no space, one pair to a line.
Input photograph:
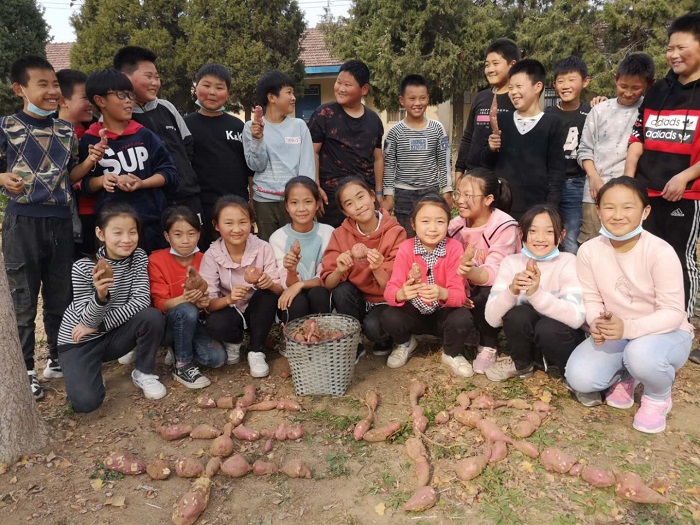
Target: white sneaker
[459,365]
[127,359]
[169,357]
[257,364]
[152,388]
[233,351]
[400,354]
[52,370]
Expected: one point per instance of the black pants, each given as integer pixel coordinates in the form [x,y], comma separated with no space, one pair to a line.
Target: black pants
[209,233]
[332,215]
[316,300]
[488,335]
[404,202]
[88,246]
[82,363]
[38,254]
[455,326]
[349,300]
[194,203]
[532,337]
[226,325]
[678,223]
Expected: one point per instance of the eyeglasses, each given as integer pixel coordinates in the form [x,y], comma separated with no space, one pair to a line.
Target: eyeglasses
[467,196]
[123,95]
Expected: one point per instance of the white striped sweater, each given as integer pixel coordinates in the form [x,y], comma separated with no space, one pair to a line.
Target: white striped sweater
[129,294]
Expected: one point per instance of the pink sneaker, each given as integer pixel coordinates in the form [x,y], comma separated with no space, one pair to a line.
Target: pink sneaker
[621,394]
[484,359]
[651,416]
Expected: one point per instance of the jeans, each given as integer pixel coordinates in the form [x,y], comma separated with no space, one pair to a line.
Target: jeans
[189,339]
[316,300]
[404,202]
[653,360]
[349,300]
[571,208]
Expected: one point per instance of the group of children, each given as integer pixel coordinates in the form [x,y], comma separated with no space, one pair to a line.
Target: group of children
[527,182]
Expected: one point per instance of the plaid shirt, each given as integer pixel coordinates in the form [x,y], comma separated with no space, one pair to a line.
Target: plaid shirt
[431,259]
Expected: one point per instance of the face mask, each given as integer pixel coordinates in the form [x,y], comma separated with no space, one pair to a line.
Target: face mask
[176,254]
[550,255]
[639,229]
[36,109]
[222,108]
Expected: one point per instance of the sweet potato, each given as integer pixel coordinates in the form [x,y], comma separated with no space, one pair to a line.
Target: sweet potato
[206,401]
[174,432]
[598,477]
[296,468]
[125,463]
[252,274]
[469,468]
[213,466]
[491,432]
[248,397]
[262,468]
[526,448]
[359,252]
[221,447]
[423,499]
[469,253]
[556,460]
[487,403]
[362,427]
[372,399]
[493,115]
[105,267]
[205,431]
[188,468]
[295,248]
[631,486]
[519,404]
[499,451]
[383,433]
[194,281]
[263,406]
[295,432]
[267,448]
[533,418]
[288,405]
[224,402]
[463,399]
[235,467]
[415,448]
[420,423]
[245,434]
[415,274]
[531,265]
[541,406]
[576,470]
[228,429]
[473,394]
[258,114]
[193,503]
[524,429]
[422,472]
[442,417]
[281,431]
[416,391]
[468,418]
[159,469]
[236,416]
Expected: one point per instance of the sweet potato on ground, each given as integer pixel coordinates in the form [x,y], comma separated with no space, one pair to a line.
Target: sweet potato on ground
[485,402]
[468,418]
[213,466]
[236,416]
[491,431]
[534,418]
[523,429]
[576,469]
[235,467]
[192,503]
[174,432]
[469,468]
[423,499]
[442,417]
[556,460]
[205,431]
[422,472]
[499,451]
[288,405]
[224,402]
[526,448]
[125,463]
[420,423]
[296,468]
[263,406]
[541,406]
[188,468]
[416,391]
[383,433]
[415,448]
[362,427]
[463,399]
[598,477]
[519,404]
[205,401]
[159,469]
[262,468]
[631,486]
[221,447]
[268,446]
[295,432]
[372,399]
[248,397]
[245,434]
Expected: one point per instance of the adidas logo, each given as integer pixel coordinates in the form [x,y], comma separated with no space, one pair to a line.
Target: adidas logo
[677,213]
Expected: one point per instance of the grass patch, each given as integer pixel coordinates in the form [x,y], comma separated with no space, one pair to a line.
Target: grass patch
[105,474]
[336,465]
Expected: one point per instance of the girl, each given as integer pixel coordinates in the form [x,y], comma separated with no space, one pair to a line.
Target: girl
[167,271]
[484,201]
[433,304]
[234,302]
[110,315]
[633,292]
[304,294]
[358,284]
[537,299]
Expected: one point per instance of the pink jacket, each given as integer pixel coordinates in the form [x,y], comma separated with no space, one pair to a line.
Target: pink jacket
[444,272]
[222,274]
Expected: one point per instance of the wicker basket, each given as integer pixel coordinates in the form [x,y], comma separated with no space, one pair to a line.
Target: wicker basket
[323,368]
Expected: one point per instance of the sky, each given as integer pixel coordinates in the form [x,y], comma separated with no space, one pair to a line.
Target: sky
[57,14]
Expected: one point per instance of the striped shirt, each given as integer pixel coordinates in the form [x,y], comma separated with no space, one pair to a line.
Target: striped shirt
[415,158]
[129,294]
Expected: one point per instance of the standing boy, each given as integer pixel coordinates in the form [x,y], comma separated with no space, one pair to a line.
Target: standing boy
[218,157]
[664,151]
[417,157]
[528,150]
[570,79]
[603,145]
[347,139]
[499,58]
[37,153]
[277,148]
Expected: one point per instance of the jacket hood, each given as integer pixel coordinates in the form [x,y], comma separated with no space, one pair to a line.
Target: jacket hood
[131,129]
[672,78]
[221,256]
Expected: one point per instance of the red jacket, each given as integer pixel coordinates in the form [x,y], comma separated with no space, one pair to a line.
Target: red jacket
[167,276]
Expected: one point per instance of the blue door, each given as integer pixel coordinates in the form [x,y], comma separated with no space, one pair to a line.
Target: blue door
[309,102]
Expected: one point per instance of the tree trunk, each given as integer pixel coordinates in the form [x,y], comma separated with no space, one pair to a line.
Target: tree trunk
[457,120]
[22,428]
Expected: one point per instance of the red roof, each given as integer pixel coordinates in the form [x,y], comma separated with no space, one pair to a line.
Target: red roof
[314,50]
[59,55]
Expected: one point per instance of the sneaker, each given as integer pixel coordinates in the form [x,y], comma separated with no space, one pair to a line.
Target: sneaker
[381,350]
[484,359]
[361,352]
[52,370]
[400,354]
[257,364]
[233,351]
[169,357]
[587,399]
[621,394]
[127,359]
[37,391]
[191,377]
[695,356]
[505,369]
[459,365]
[152,388]
[651,416]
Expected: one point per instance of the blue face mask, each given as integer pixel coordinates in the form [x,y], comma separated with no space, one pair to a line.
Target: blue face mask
[626,237]
[550,255]
[176,254]
[36,109]
[222,108]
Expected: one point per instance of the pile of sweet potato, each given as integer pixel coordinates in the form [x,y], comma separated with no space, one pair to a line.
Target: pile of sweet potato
[311,333]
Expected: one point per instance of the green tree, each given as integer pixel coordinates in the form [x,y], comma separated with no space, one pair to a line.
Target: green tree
[23,30]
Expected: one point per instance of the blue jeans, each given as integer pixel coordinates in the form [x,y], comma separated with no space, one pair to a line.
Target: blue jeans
[651,359]
[189,339]
[571,208]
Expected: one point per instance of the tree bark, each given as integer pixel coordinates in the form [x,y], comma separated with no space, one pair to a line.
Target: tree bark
[22,428]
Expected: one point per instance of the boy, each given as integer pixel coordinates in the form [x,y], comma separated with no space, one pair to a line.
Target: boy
[277,148]
[161,117]
[603,146]
[417,157]
[664,151]
[136,165]
[37,153]
[528,150]
[218,157]
[570,79]
[347,139]
[499,58]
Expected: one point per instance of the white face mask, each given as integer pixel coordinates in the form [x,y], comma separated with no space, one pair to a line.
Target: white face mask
[176,254]
[627,236]
[36,109]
